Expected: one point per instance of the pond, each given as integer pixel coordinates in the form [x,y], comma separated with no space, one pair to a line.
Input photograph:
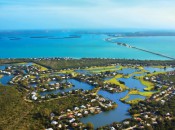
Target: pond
[135,96]
[82,71]
[2,67]
[5,79]
[133,83]
[127,71]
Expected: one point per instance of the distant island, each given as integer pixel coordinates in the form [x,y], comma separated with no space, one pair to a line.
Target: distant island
[140,45]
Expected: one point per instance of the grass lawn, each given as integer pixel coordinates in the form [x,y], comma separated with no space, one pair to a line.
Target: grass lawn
[133,92]
[42,68]
[13,109]
[146,94]
[149,85]
[138,72]
[103,69]
[136,115]
[161,67]
[135,101]
[72,71]
[115,81]
[18,114]
[22,63]
[1,76]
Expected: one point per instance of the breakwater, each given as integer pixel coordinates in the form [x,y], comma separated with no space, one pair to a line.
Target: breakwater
[140,49]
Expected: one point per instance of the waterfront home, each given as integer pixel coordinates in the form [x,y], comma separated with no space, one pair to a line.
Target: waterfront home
[162,102]
[49,129]
[126,122]
[5,72]
[72,120]
[34,97]
[54,122]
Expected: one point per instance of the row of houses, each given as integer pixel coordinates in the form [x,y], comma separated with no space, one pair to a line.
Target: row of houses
[71,117]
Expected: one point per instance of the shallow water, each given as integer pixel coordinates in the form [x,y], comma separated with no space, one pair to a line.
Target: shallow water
[87,45]
[160,44]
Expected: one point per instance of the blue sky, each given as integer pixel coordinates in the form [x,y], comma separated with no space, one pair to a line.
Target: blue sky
[84,14]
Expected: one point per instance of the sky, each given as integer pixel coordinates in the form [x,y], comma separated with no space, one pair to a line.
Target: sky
[86,14]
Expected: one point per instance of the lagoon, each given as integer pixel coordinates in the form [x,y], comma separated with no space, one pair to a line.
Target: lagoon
[135,96]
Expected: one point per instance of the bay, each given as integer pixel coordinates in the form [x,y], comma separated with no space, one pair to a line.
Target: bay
[34,44]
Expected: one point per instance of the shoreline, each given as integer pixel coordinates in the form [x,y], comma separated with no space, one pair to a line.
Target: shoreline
[80,58]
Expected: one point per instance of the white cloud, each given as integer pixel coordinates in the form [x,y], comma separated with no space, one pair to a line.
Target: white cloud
[98,14]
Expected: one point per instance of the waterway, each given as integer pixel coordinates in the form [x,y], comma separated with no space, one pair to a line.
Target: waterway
[118,114]
[5,79]
[133,83]
[77,85]
[154,69]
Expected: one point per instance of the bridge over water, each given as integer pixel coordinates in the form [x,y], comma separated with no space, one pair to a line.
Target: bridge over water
[140,49]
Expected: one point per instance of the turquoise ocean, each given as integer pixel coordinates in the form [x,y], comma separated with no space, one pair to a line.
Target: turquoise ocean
[78,44]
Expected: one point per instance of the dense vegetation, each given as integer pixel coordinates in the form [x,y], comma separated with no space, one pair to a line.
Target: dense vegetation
[16,113]
[163,123]
[13,109]
[160,110]
[61,63]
